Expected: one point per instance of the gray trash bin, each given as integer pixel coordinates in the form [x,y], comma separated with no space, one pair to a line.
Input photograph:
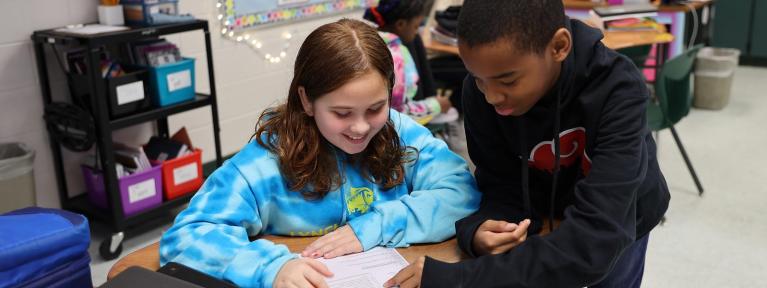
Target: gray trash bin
[714,70]
[17,180]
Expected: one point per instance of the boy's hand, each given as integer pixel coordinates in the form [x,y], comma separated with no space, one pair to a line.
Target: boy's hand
[302,273]
[340,242]
[408,277]
[495,237]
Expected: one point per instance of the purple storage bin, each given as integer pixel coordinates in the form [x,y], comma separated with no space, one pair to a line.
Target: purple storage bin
[144,189]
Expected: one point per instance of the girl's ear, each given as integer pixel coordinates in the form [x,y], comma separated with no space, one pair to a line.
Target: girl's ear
[400,26]
[305,101]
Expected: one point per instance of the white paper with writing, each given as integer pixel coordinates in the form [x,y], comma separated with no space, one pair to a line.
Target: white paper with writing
[367,269]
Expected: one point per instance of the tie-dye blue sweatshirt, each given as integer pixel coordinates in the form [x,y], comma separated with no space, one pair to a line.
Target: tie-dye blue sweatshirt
[248,196]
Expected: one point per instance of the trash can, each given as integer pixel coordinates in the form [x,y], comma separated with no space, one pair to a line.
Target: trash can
[17,180]
[714,70]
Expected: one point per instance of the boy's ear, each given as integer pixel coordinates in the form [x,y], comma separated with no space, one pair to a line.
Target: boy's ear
[560,45]
[305,101]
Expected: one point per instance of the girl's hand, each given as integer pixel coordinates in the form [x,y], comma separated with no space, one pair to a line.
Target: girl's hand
[340,242]
[302,273]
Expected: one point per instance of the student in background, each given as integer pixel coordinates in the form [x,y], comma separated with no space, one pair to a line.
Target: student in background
[556,125]
[414,93]
[333,161]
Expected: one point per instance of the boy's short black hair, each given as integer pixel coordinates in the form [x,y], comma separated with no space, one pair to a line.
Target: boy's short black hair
[393,10]
[529,24]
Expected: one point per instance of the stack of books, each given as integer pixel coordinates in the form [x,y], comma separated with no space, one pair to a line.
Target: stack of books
[161,149]
[633,24]
[441,35]
[604,16]
[154,52]
[616,12]
[130,160]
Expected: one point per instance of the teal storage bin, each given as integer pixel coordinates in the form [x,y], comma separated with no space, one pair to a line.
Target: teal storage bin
[173,83]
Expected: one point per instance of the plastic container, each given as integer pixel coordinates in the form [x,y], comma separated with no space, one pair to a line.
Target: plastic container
[714,72]
[138,192]
[173,83]
[141,12]
[128,94]
[182,175]
[17,179]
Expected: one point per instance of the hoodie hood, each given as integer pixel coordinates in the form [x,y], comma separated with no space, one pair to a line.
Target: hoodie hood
[577,66]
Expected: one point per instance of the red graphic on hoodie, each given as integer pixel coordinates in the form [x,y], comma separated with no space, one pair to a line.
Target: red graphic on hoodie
[572,146]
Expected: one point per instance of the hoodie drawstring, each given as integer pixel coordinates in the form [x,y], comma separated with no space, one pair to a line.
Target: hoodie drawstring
[555,173]
[523,158]
[525,166]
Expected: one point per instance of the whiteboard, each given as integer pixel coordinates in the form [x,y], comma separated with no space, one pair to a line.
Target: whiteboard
[247,14]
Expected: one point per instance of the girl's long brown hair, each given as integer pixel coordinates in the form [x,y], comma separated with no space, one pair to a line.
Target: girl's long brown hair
[331,56]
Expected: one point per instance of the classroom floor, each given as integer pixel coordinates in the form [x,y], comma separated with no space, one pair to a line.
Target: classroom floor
[712,241]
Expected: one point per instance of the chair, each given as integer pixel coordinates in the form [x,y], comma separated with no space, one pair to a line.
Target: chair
[672,101]
[637,54]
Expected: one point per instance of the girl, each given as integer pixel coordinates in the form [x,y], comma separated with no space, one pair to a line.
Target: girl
[333,158]
[398,22]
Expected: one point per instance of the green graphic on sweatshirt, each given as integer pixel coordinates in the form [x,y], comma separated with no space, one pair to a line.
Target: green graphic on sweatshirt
[359,199]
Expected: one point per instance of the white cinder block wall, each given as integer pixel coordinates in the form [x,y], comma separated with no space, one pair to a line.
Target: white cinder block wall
[246,84]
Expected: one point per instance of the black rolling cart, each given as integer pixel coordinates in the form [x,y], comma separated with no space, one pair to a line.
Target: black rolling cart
[105,122]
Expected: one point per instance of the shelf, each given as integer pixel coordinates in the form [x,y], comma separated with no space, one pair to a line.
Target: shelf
[81,204]
[200,100]
[132,34]
[105,125]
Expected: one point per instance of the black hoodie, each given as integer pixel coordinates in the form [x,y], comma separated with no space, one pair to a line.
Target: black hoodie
[606,185]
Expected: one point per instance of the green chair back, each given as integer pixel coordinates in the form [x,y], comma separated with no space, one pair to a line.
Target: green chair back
[637,54]
[673,91]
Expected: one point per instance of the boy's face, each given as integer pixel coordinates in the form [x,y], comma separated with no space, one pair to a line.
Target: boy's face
[351,115]
[511,79]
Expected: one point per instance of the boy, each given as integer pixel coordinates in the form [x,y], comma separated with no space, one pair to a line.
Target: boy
[535,74]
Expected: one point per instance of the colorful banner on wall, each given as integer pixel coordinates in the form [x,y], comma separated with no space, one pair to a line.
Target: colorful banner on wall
[247,14]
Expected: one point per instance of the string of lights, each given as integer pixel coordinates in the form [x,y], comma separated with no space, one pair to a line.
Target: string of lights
[249,38]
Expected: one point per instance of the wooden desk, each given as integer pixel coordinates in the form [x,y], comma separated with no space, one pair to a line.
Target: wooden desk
[613,40]
[149,256]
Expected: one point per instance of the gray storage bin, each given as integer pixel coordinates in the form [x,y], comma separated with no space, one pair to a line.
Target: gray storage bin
[714,70]
[17,180]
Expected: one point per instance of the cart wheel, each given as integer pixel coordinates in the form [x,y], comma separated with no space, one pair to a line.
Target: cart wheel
[112,246]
